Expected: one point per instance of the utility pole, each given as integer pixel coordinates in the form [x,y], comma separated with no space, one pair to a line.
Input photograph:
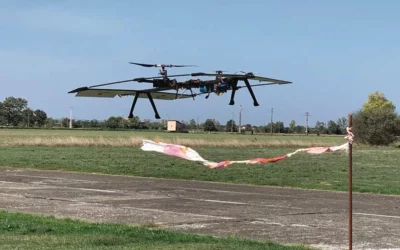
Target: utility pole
[272,113]
[70,117]
[307,115]
[240,119]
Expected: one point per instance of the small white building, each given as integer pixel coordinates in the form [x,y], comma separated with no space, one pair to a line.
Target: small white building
[173,125]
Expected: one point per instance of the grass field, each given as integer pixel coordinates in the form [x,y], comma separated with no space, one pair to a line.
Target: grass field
[375,169]
[24,137]
[23,231]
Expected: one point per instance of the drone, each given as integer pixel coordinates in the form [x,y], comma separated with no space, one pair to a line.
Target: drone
[220,84]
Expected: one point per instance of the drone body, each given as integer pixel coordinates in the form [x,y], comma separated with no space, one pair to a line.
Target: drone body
[222,83]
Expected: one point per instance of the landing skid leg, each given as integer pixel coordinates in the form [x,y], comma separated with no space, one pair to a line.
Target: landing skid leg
[133,105]
[251,92]
[153,105]
[232,102]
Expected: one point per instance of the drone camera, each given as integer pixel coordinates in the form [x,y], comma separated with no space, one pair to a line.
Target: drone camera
[203,89]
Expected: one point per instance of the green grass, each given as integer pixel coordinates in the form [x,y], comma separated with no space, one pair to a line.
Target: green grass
[375,170]
[23,231]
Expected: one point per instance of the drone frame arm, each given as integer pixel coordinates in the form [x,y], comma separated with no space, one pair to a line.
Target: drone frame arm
[142,79]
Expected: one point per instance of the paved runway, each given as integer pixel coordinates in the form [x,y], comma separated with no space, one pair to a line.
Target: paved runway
[284,215]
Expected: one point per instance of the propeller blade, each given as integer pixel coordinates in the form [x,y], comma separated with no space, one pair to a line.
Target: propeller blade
[172,65]
[212,74]
[144,64]
[161,65]
[154,77]
[244,72]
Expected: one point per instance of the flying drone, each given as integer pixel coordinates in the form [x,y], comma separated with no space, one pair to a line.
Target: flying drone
[221,84]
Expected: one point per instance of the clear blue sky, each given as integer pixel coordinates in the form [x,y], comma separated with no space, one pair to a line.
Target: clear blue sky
[335,52]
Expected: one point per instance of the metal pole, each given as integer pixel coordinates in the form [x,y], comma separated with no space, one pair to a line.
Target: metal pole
[307,115]
[240,119]
[272,112]
[350,186]
[70,117]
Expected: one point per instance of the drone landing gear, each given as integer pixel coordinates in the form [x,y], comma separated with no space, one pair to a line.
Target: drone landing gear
[133,105]
[251,92]
[157,116]
[234,87]
[153,105]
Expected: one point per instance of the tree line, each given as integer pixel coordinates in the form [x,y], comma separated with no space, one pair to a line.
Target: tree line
[376,123]
[15,112]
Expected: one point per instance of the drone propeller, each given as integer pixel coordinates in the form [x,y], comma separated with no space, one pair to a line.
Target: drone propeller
[161,65]
[244,72]
[154,77]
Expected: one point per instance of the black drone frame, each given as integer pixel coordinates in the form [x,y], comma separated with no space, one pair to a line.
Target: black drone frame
[163,83]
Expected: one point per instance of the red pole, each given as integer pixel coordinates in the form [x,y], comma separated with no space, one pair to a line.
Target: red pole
[350,172]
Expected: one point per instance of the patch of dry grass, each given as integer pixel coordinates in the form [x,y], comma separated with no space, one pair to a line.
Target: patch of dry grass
[65,141]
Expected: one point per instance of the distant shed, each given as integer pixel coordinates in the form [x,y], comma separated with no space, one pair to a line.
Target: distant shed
[173,125]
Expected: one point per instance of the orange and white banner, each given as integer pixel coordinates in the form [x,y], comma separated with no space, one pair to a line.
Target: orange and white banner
[191,155]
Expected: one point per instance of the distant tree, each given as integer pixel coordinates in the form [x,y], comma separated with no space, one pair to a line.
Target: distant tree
[279,127]
[342,124]
[248,127]
[114,122]
[39,117]
[300,129]
[129,123]
[377,123]
[94,123]
[209,125]
[12,110]
[218,125]
[3,119]
[76,123]
[64,122]
[28,119]
[184,125]
[333,128]
[378,100]
[192,124]
[50,122]
[376,126]
[85,124]
[267,128]
[231,126]
[320,128]
[292,126]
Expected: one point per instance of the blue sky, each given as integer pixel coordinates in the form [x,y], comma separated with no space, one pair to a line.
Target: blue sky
[334,52]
